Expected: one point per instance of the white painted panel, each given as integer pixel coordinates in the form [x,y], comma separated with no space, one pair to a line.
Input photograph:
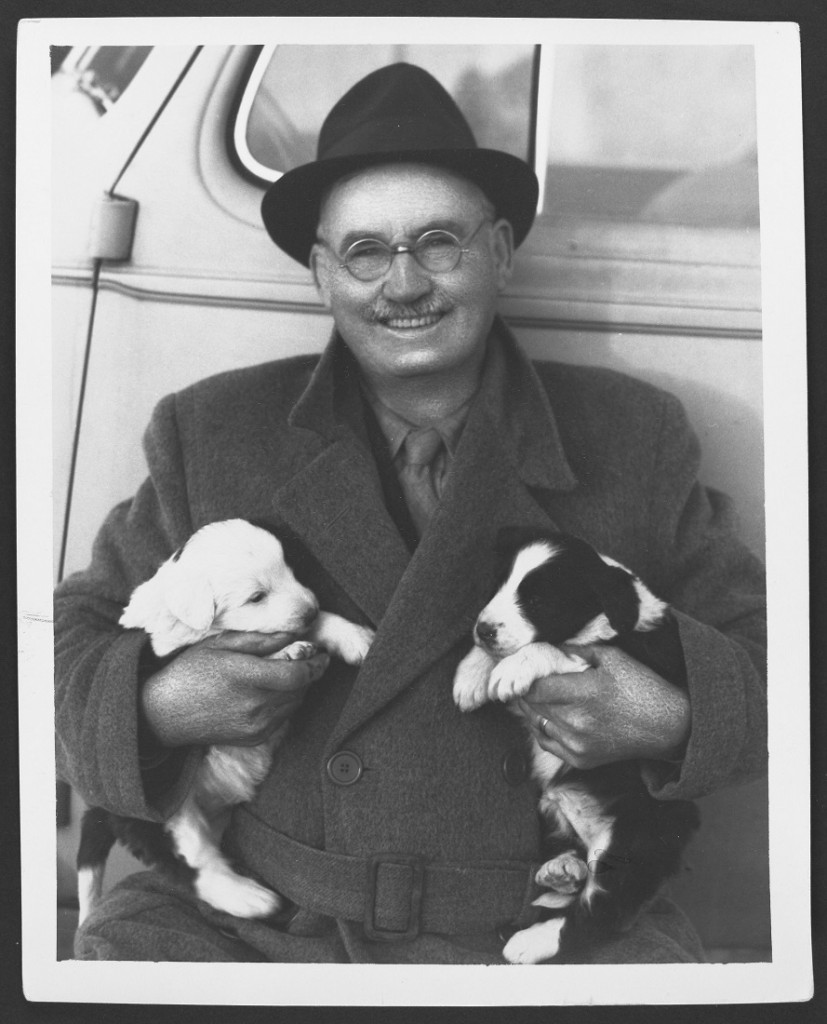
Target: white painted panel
[719,381]
[143,351]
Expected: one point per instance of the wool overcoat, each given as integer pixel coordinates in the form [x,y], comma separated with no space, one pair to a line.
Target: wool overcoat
[588,451]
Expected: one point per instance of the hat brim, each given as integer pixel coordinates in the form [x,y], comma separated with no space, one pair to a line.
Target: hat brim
[290,208]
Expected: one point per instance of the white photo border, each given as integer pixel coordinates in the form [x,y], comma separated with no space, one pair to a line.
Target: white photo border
[789,976]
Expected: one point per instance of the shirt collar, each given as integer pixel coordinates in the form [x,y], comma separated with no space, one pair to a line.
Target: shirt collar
[396,428]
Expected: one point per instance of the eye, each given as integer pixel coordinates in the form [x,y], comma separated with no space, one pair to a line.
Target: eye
[368,247]
[257,598]
[367,260]
[437,246]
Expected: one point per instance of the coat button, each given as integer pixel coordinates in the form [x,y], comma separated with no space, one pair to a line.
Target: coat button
[515,767]
[344,768]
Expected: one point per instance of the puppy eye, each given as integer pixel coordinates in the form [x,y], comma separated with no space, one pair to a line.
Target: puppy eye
[256,598]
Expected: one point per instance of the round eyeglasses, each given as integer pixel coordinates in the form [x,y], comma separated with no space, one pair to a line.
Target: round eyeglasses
[436,251]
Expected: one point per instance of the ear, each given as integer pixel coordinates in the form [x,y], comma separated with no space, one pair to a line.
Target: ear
[320,273]
[189,597]
[174,608]
[617,595]
[502,237]
[144,605]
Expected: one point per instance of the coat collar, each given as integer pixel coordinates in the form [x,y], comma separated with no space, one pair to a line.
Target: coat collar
[511,394]
[423,604]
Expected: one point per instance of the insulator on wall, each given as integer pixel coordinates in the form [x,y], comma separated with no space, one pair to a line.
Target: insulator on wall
[113,228]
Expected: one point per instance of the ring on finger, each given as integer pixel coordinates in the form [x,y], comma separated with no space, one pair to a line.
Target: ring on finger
[541,725]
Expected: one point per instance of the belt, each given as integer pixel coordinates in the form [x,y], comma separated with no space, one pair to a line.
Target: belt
[395,895]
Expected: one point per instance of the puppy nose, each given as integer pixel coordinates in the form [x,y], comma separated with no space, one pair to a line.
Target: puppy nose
[486,633]
[310,613]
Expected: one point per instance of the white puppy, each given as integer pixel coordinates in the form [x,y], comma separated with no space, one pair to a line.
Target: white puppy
[230,575]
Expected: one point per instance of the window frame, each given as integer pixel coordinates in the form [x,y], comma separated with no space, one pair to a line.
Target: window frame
[252,169]
[260,59]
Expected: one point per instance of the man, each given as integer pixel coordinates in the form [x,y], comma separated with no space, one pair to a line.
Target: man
[401,830]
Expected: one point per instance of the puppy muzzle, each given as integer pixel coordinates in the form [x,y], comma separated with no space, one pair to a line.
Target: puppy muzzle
[485,634]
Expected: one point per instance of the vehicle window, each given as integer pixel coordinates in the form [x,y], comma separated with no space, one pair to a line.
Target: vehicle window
[663,134]
[656,134]
[101,73]
[292,88]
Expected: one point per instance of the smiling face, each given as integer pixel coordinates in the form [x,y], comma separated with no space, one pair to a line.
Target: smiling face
[411,322]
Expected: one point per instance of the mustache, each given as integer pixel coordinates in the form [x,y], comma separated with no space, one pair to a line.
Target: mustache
[382,311]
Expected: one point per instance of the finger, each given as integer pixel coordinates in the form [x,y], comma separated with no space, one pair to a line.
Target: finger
[290,676]
[553,746]
[261,644]
[617,662]
[537,721]
[544,730]
[568,688]
[586,652]
[540,726]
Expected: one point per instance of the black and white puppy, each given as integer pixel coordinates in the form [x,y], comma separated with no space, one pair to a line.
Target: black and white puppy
[611,845]
[230,575]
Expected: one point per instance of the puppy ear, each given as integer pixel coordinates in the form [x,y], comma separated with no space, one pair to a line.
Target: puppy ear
[174,607]
[144,605]
[615,590]
[189,598]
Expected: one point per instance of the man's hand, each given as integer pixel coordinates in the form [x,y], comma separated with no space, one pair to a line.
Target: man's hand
[615,711]
[225,690]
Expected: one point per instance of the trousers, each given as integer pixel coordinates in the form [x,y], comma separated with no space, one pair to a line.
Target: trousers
[148,917]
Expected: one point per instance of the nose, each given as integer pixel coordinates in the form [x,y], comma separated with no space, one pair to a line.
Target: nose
[311,612]
[405,280]
[486,633]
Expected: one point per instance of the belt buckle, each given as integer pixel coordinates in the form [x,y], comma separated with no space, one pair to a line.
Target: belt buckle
[417,866]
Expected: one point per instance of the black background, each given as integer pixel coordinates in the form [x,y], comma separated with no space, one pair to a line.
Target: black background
[811,16]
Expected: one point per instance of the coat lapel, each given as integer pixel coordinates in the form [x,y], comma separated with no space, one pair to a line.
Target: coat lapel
[509,448]
[334,507]
[333,504]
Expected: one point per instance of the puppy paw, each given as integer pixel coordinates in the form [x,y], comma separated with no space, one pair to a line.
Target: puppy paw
[560,663]
[469,698]
[535,944]
[471,680]
[514,675]
[355,644]
[236,895]
[342,638]
[296,651]
[566,873]
[511,678]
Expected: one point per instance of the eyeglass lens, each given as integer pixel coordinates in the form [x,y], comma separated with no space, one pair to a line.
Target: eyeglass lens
[436,251]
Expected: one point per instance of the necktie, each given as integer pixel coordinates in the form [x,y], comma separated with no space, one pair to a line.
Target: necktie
[420,473]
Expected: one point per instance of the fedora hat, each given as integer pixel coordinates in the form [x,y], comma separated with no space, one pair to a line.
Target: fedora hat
[398,114]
